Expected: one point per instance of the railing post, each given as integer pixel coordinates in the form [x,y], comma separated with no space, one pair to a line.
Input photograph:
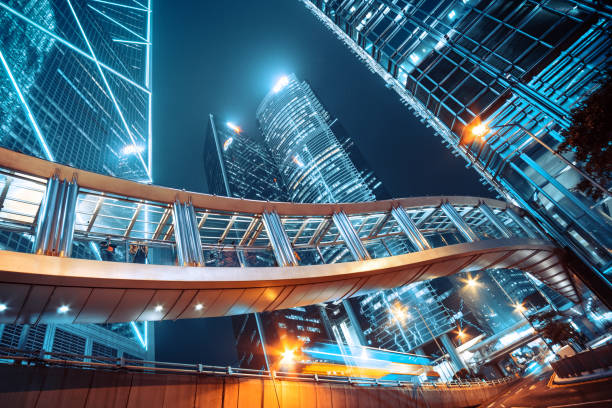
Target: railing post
[350,237]
[55,229]
[459,222]
[186,235]
[494,219]
[283,252]
[410,229]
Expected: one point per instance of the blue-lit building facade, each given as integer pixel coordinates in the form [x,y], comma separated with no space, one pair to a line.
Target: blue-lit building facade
[239,165]
[497,80]
[313,163]
[75,88]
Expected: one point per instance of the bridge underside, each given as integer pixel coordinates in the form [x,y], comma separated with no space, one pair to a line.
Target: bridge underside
[35,287]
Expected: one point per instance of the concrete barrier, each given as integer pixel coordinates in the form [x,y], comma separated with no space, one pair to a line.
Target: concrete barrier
[42,386]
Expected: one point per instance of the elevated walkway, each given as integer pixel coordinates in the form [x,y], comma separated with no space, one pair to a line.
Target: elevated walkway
[214,256]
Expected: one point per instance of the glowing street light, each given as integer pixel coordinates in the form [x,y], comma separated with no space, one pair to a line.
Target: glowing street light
[480,130]
[288,357]
[399,314]
[471,282]
[519,307]
[63,309]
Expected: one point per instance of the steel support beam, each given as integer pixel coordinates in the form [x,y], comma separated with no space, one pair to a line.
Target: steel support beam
[410,229]
[458,221]
[55,229]
[494,219]
[186,235]
[350,237]
[281,246]
[518,220]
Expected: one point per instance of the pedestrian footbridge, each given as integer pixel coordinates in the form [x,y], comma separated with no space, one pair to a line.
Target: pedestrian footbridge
[215,256]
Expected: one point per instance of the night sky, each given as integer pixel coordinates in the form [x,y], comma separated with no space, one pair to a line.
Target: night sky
[222,57]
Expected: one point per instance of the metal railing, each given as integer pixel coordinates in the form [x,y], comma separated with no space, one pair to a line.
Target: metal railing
[187,228]
[585,362]
[49,358]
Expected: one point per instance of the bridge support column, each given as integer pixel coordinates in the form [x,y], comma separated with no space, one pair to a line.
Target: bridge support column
[186,235]
[350,237]
[360,253]
[452,352]
[55,228]
[458,221]
[494,219]
[410,229]
[283,252]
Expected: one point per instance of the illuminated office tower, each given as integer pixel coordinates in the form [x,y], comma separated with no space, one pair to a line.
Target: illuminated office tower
[317,161]
[75,83]
[313,163]
[497,81]
[75,88]
[238,165]
[410,319]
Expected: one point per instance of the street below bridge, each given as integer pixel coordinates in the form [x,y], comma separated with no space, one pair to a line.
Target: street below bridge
[538,391]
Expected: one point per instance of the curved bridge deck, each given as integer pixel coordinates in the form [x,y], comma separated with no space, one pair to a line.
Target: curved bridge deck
[213,256]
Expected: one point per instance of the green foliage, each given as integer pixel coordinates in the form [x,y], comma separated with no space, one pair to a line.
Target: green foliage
[590,137]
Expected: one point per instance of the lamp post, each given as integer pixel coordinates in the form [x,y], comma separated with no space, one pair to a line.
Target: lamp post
[482,129]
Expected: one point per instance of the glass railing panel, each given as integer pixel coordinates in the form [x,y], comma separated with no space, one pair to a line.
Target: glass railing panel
[22,198]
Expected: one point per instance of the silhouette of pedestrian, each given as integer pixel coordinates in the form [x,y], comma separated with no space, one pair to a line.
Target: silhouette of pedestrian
[107,249]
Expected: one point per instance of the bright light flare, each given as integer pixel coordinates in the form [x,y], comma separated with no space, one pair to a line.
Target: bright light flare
[132,149]
[159,308]
[518,307]
[199,306]
[235,128]
[3,307]
[288,357]
[280,84]
[471,282]
[227,143]
[461,334]
[480,130]
[63,309]
[400,314]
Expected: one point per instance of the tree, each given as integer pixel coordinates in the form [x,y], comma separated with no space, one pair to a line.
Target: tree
[590,137]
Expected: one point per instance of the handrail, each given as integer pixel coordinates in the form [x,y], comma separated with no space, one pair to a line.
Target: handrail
[34,166]
[93,362]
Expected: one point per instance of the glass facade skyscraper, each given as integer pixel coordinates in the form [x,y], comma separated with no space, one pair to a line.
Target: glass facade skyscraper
[497,80]
[313,163]
[75,87]
[75,83]
[238,165]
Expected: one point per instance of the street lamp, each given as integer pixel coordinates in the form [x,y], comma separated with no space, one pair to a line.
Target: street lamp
[482,129]
[471,282]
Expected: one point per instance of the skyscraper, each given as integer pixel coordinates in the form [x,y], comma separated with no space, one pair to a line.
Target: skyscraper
[497,80]
[75,83]
[313,163]
[75,87]
[239,165]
